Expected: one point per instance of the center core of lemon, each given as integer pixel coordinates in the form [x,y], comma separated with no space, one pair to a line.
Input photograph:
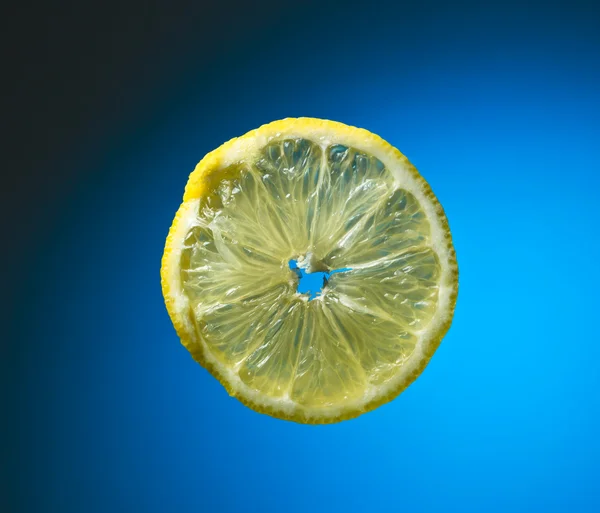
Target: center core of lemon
[311,282]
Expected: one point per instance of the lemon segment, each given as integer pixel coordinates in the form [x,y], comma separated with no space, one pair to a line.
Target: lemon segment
[331,197]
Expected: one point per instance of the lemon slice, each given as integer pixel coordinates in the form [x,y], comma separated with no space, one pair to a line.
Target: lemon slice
[332,198]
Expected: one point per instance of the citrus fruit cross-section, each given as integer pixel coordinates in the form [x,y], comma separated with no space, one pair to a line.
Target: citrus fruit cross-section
[334,199]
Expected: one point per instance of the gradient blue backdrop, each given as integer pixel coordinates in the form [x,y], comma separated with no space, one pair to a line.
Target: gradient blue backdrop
[498,106]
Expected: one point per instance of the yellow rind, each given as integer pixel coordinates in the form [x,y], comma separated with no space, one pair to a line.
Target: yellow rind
[199,182]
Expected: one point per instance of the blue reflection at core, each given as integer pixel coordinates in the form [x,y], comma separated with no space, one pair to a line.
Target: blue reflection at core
[312,283]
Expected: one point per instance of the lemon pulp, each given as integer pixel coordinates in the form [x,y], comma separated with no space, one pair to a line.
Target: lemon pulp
[331,207]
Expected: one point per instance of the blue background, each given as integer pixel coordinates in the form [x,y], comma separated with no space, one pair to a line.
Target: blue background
[498,106]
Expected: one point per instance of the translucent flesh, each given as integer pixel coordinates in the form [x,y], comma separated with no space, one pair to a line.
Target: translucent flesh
[330,208]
